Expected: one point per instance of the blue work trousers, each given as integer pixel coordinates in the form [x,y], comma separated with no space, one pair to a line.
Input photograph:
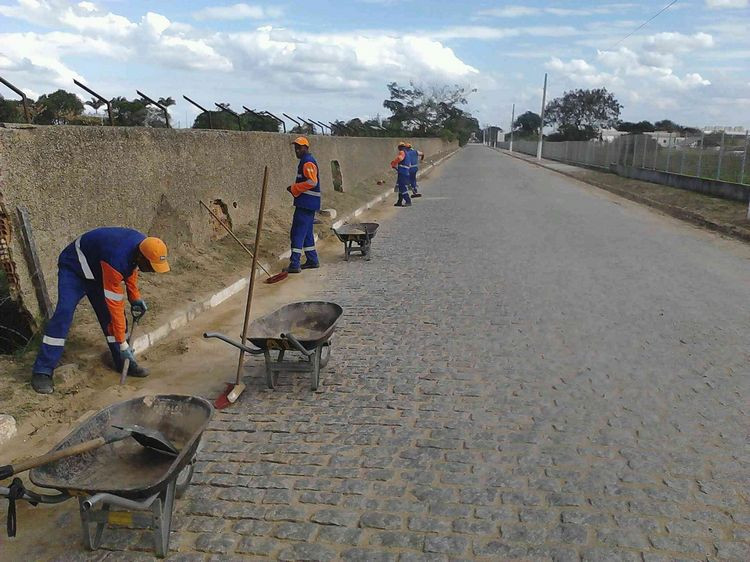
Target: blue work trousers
[71,288]
[402,187]
[303,237]
[413,179]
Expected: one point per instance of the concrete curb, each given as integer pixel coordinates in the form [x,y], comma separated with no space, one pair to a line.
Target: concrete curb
[677,212]
[183,317]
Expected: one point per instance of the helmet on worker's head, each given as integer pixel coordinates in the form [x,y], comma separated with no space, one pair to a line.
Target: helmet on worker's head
[155,251]
[402,143]
[407,145]
[301,141]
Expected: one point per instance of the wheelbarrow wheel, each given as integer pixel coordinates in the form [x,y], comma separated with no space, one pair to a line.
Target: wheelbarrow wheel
[325,355]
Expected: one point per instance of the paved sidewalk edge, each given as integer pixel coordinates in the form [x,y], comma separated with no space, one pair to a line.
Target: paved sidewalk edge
[184,317]
[677,212]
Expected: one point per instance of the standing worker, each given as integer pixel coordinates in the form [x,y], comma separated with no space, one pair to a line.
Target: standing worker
[401,164]
[306,193]
[415,156]
[96,265]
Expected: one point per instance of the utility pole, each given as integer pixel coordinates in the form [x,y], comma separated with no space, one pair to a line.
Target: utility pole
[541,126]
[512,119]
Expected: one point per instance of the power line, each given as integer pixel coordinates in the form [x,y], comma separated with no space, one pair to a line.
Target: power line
[645,23]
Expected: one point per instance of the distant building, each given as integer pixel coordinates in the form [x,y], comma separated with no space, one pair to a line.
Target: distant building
[733,131]
[610,135]
[665,138]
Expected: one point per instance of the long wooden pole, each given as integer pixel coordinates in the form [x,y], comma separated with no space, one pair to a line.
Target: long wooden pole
[251,287]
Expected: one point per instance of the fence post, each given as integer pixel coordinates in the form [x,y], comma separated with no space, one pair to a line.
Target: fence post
[744,160]
[721,156]
[669,153]
[682,160]
[700,155]
[656,153]
[606,156]
[635,150]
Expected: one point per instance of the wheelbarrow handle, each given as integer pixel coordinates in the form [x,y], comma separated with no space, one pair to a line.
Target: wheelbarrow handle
[296,344]
[230,341]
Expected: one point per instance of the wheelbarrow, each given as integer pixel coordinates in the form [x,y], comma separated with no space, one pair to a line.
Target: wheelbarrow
[123,483]
[361,234]
[304,327]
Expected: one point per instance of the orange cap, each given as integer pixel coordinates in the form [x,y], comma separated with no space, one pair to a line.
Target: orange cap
[407,145]
[302,141]
[155,251]
[402,143]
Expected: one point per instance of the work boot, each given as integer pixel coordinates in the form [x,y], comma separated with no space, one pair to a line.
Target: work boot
[407,204]
[135,370]
[292,269]
[310,265]
[42,383]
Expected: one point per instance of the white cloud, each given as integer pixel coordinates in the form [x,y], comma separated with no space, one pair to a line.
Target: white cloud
[510,12]
[718,4]
[237,11]
[480,32]
[522,11]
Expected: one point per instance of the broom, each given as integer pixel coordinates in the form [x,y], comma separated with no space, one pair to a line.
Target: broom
[233,390]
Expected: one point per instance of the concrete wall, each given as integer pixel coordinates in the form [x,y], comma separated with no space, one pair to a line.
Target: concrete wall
[714,188]
[72,179]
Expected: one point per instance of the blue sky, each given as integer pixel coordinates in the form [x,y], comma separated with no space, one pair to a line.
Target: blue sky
[330,60]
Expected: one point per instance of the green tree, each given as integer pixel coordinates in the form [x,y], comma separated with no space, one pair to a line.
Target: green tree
[636,128]
[579,114]
[224,120]
[11,111]
[129,113]
[57,108]
[421,112]
[527,125]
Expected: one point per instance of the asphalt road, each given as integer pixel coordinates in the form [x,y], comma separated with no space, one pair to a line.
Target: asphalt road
[527,368]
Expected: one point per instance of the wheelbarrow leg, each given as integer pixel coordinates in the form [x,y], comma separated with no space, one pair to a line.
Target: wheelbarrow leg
[92,529]
[162,514]
[347,250]
[271,374]
[315,376]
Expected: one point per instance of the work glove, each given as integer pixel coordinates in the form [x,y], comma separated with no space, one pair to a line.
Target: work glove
[138,308]
[127,353]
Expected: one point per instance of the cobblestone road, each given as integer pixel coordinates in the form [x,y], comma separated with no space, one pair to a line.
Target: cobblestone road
[527,369]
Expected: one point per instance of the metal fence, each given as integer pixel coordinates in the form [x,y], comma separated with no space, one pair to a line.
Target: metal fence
[690,156]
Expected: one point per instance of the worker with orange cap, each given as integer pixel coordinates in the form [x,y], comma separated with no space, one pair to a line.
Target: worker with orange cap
[306,193]
[95,265]
[402,166]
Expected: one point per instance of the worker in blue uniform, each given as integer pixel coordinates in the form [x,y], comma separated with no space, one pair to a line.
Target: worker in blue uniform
[401,164]
[306,193]
[96,265]
[414,156]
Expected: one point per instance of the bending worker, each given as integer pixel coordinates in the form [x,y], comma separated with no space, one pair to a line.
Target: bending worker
[96,265]
[401,164]
[306,193]
[415,156]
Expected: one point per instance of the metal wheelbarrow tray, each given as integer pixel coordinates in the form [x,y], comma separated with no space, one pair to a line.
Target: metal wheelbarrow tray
[360,233]
[304,327]
[138,483]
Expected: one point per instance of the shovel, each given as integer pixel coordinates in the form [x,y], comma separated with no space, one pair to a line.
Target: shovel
[149,438]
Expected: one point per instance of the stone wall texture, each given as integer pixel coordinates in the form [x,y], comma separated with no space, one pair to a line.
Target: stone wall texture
[73,179]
